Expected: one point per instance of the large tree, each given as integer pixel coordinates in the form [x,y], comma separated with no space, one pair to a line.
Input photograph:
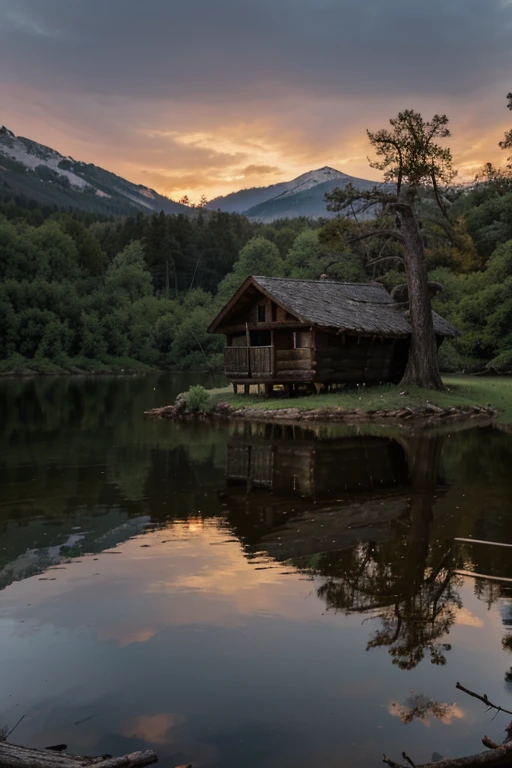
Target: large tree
[507,141]
[415,166]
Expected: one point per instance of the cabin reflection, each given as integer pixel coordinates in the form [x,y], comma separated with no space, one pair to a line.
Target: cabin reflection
[289,460]
[295,492]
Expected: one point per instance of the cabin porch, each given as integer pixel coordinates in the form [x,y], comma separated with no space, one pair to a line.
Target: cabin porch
[270,357]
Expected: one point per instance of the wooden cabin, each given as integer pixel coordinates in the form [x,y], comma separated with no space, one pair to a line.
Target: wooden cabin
[315,332]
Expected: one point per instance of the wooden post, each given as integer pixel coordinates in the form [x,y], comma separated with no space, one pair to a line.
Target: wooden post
[247,389]
[248,343]
[235,388]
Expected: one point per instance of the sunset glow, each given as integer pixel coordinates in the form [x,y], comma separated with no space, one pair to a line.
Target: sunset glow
[191,102]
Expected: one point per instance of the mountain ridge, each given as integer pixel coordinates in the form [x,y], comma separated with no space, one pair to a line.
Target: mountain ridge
[302,196]
[43,174]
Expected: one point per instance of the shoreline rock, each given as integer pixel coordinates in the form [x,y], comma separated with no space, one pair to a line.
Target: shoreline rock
[426,412]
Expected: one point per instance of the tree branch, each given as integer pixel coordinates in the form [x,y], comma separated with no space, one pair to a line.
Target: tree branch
[386,258]
[438,198]
[376,233]
[483,698]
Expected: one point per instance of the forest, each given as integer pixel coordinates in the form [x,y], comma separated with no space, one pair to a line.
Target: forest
[78,292]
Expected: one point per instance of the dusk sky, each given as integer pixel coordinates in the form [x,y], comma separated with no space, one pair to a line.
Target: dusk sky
[205,96]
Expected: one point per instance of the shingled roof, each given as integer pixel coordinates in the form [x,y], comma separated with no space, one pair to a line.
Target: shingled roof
[354,307]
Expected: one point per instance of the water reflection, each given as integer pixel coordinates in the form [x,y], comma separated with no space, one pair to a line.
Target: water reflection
[377,531]
[213,592]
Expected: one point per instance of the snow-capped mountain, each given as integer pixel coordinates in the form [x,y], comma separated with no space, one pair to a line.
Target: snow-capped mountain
[303,196]
[41,173]
[44,175]
[313,179]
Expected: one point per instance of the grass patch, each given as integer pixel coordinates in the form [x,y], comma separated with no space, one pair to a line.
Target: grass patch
[460,390]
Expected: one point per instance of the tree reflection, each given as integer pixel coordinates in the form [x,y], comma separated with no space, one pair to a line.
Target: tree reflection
[408,583]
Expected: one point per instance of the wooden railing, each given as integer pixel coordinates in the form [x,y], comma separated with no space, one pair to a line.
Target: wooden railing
[236,362]
[261,362]
[249,362]
[268,363]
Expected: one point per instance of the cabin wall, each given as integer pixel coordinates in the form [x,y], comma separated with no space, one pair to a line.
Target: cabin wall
[350,359]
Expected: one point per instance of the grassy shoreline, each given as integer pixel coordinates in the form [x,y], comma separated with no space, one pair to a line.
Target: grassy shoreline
[16,366]
[495,391]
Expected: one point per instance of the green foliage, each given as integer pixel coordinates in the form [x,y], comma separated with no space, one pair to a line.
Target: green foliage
[258,257]
[408,153]
[78,291]
[502,363]
[198,399]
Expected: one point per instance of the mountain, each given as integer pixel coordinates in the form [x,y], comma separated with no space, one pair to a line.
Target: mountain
[245,199]
[303,196]
[42,174]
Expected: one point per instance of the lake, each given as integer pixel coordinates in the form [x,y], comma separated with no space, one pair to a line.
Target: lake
[247,595]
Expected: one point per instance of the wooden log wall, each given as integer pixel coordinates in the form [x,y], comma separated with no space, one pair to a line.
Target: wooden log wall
[353,359]
[293,362]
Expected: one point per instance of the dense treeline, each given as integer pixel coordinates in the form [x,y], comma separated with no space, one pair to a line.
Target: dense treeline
[78,292]
[106,294]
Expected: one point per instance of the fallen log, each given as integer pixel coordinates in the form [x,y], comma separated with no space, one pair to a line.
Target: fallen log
[499,755]
[14,756]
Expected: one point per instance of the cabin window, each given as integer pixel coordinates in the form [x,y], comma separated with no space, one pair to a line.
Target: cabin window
[261,313]
[274,312]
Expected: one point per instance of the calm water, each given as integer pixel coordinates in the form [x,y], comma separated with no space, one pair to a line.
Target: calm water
[246,596]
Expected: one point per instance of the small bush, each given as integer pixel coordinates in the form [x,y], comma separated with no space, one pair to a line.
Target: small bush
[452,361]
[198,399]
[502,363]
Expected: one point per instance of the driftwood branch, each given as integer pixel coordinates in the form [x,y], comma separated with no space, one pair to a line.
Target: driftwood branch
[14,756]
[484,699]
[498,754]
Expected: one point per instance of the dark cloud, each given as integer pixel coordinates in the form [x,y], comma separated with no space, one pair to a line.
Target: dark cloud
[169,50]
[209,95]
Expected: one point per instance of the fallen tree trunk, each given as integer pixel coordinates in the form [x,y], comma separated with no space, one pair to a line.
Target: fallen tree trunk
[14,756]
[498,754]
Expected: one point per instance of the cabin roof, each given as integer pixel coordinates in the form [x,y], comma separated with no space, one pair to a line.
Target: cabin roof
[354,307]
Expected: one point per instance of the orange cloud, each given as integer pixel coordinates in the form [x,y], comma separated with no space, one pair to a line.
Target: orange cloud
[153,728]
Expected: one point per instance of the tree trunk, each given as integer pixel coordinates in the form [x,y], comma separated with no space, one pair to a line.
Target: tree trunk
[14,756]
[423,366]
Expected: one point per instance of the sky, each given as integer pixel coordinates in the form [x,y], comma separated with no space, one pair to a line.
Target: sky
[209,96]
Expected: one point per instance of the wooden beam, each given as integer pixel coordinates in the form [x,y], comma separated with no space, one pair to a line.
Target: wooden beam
[291,325]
